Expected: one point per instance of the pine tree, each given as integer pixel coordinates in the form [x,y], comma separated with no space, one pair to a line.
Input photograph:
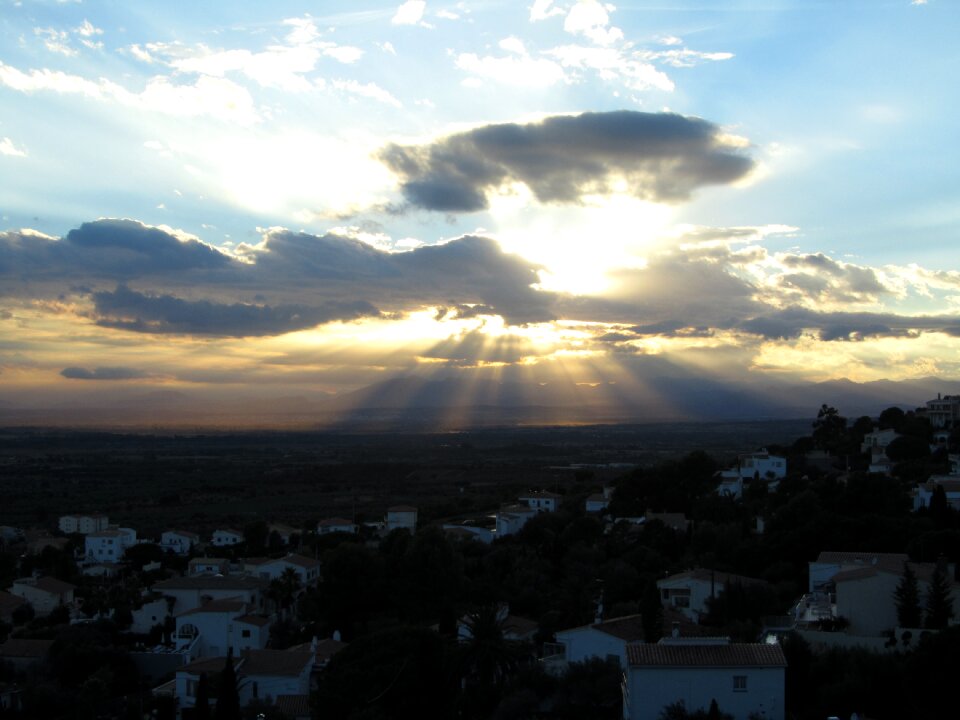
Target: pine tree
[202,701]
[228,698]
[907,598]
[651,613]
[939,602]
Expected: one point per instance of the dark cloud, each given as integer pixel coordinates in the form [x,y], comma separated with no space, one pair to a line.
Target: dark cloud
[130,310]
[476,346]
[102,373]
[662,157]
[791,323]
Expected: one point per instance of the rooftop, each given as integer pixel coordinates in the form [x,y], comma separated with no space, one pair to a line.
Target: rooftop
[733,655]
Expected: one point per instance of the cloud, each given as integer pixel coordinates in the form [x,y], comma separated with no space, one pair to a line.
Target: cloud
[103,373]
[543,9]
[662,157]
[626,66]
[126,309]
[591,19]
[513,69]
[685,57]
[410,13]
[793,322]
[7,147]
[475,346]
[369,90]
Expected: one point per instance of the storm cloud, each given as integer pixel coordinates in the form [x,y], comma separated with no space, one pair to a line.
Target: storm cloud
[102,373]
[662,157]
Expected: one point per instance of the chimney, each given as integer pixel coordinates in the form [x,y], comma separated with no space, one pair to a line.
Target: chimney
[675,632]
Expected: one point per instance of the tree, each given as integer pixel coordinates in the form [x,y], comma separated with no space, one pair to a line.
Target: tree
[829,428]
[939,602]
[907,599]
[283,590]
[487,656]
[201,703]
[651,613]
[228,695]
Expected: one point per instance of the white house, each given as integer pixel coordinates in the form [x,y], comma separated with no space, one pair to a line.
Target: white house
[511,518]
[607,640]
[45,594]
[208,566]
[464,531]
[401,516]
[83,524]
[763,465]
[944,412]
[179,542]
[865,596]
[193,592]
[306,568]
[923,493]
[285,532]
[597,503]
[212,629]
[828,564]
[227,537]
[152,612]
[336,525]
[744,679]
[541,500]
[108,546]
[689,591]
[730,483]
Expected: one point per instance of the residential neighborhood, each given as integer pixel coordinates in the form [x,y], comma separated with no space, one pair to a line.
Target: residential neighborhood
[653,592]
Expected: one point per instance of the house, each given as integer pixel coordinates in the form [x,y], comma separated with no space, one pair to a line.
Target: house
[865,596]
[689,591]
[606,639]
[83,524]
[323,650]
[187,680]
[336,525]
[208,566]
[828,564]
[597,503]
[923,493]
[154,611]
[179,542]
[211,630]
[108,546]
[467,531]
[745,679]
[23,653]
[306,568]
[194,591]
[227,537]
[541,500]
[511,518]
[45,594]
[286,533]
[944,412]
[729,483]
[9,604]
[762,465]
[401,516]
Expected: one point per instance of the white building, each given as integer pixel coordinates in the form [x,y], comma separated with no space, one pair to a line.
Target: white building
[227,537]
[689,592]
[923,493]
[763,465]
[108,546]
[730,483]
[511,518]
[211,630]
[208,566]
[152,612]
[606,640]
[598,502]
[179,542]
[306,568]
[744,679]
[541,500]
[193,592]
[83,524]
[401,517]
[944,412]
[45,594]
[336,525]
[828,564]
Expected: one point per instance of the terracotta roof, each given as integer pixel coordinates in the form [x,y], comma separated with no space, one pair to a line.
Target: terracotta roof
[327,648]
[47,584]
[402,508]
[185,533]
[519,626]
[597,497]
[301,560]
[258,620]
[334,522]
[864,558]
[540,494]
[628,627]
[733,655]
[207,665]
[714,575]
[293,706]
[227,605]
[275,662]
[25,648]
[211,582]
[9,602]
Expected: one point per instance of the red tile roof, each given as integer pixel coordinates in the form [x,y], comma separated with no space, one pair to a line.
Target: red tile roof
[733,655]
[275,662]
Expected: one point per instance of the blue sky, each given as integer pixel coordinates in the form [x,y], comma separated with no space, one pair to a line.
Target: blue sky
[320,195]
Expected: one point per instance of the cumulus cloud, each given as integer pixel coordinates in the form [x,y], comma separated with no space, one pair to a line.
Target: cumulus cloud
[793,322]
[592,20]
[103,373]
[8,147]
[410,13]
[658,156]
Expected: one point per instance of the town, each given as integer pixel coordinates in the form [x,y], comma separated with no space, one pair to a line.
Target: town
[806,577]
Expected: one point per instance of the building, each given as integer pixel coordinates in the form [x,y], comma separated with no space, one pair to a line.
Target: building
[598,502]
[45,594]
[336,525]
[179,542]
[762,465]
[108,546]
[401,517]
[83,524]
[212,630]
[828,564]
[512,518]
[188,593]
[744,679]
[541,500]
[607,639]
[689,592]
[227,537]
[306,568]
[944,412]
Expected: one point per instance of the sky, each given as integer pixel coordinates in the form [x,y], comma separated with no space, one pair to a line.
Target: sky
[303,199]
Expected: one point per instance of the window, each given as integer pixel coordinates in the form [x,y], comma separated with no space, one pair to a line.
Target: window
[245,633]
[739,683]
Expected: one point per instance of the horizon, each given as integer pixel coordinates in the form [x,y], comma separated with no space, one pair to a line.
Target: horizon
[589,204]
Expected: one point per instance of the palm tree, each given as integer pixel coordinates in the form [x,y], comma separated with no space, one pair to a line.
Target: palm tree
[284,589]
[487,658]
